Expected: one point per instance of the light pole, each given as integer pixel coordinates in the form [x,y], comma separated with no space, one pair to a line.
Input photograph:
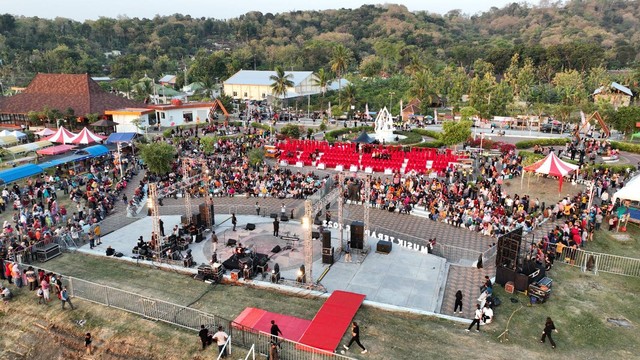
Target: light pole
[391,100]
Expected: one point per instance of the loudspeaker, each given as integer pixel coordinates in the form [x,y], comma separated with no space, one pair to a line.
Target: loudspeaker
[273,215]
[199,237]
[183,219]
[235,275]
[231,242]
[326,239]
[315,235]
[504,275]
[327,256]
[357,235]
[245,261]
[251,226]
[276,249]
[521,282]
[284,218]
[383,247]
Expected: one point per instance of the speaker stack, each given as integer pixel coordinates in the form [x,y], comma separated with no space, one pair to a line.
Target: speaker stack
[327,250]
[327,256]
[251,226]
[357,235]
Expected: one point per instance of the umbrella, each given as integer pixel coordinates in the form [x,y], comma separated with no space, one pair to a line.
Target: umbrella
[104,123]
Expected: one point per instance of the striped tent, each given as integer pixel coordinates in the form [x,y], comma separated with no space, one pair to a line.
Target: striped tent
[86,136]
[62,136]
[553,166]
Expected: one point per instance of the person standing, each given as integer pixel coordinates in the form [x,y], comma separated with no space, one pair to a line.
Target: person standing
[546,332]
[161,226]
[275,332]
[476,319]
[276,227]
[97,232]
[257,209]
[273,352]
[347,251]
[458,303]
[283,210]
[87,343]
[234,221]
[64,297]
[203,334]
[355,337]
[220,338]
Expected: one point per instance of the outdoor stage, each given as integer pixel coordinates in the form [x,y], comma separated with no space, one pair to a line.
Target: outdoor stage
[404,277]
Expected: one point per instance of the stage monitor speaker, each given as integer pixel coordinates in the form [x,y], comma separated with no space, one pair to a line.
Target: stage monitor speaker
[357,235]
[183,220]
[327,258]
[199,237]
[235,275]
[276,249]
[521,282]
[326,239]
[284,218]
[383,247]
[231,242]
[245,261]
[274,215]
[315,235]
[505,275]
[251,226]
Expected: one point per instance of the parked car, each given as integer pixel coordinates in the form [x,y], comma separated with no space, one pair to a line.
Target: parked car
[551,128]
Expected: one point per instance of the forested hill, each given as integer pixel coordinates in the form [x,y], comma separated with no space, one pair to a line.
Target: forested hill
[572,35]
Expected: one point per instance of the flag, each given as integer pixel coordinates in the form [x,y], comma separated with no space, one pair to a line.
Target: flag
[329,111]
[583,118]
[366,110]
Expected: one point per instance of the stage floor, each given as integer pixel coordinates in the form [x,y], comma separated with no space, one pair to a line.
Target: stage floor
[404,277]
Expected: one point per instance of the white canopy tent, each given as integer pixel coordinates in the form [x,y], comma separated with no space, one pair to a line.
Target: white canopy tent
[631,191]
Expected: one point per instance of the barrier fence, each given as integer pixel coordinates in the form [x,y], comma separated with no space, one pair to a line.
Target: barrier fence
[189,318]
[597,262]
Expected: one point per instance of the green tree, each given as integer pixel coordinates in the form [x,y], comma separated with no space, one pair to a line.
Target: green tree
[256,156]
[625,119]
[322,79]
[340,59]
[281,82]
[349,95]
[291,131]
[158,157]
[455,132]
[570,87]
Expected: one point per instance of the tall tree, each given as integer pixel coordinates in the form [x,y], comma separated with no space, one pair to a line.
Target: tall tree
[322,79]
[340,59]
[158,157]
[281,82]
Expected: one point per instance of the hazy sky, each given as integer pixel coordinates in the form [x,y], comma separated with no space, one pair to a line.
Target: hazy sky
[93,9]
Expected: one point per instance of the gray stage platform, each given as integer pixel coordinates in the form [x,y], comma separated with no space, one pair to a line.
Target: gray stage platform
[404,277]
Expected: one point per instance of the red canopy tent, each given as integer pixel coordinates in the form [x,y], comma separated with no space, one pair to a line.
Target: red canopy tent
[552,165]
[62,136]
[86,136]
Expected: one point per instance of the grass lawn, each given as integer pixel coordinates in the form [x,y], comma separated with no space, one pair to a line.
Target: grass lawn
[579,305]
[605,242]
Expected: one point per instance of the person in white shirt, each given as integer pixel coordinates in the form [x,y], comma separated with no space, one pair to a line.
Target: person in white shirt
[220,338]
[476,319]
[487,316]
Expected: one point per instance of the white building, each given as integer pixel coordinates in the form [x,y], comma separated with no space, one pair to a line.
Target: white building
[127,116]
[256,84]
[178,113]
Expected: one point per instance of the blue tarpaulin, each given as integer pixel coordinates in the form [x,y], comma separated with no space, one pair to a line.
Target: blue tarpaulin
[61,161]
[92,151]
[20,172]
[120,137]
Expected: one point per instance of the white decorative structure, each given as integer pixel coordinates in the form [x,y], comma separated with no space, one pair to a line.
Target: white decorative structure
[384,127]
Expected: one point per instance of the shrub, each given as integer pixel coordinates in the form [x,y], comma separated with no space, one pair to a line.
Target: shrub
[430,133]
[625,146]
[430,144]
[528,144]
[411,137]
[167,133]
[260,126]
[529,157]
[291,130]
[333,135]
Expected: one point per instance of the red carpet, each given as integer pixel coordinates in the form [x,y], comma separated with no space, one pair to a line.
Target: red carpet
[258,319]
[332,320]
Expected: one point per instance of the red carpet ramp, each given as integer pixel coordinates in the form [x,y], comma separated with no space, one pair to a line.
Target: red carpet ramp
[292,327]
[332,320]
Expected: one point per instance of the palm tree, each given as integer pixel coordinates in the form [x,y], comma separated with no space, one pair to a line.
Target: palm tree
[125,86]
[145,89]
[208,86]
[349,95]
[340,59]
[281,82]
[322,79]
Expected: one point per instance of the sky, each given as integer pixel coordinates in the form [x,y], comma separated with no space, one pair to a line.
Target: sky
[93,9]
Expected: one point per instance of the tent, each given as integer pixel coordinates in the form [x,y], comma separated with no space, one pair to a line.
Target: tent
[86,136]
[552,165]
[56,150]
[631,191]
[45,132]
[121,137]
[363,138]
[62,136]
[6,133]
[8,140]
[18,134]
[20,172]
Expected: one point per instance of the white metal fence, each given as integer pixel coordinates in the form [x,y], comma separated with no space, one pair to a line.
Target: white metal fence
[597,262]
[189,318]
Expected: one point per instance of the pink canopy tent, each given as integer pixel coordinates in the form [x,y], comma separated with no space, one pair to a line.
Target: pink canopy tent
[45,132]
[86,137]
[62,136]
[56,150]
[552,165]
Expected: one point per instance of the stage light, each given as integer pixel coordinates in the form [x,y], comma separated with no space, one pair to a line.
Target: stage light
[301,275]
[305,222]
[150,203]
